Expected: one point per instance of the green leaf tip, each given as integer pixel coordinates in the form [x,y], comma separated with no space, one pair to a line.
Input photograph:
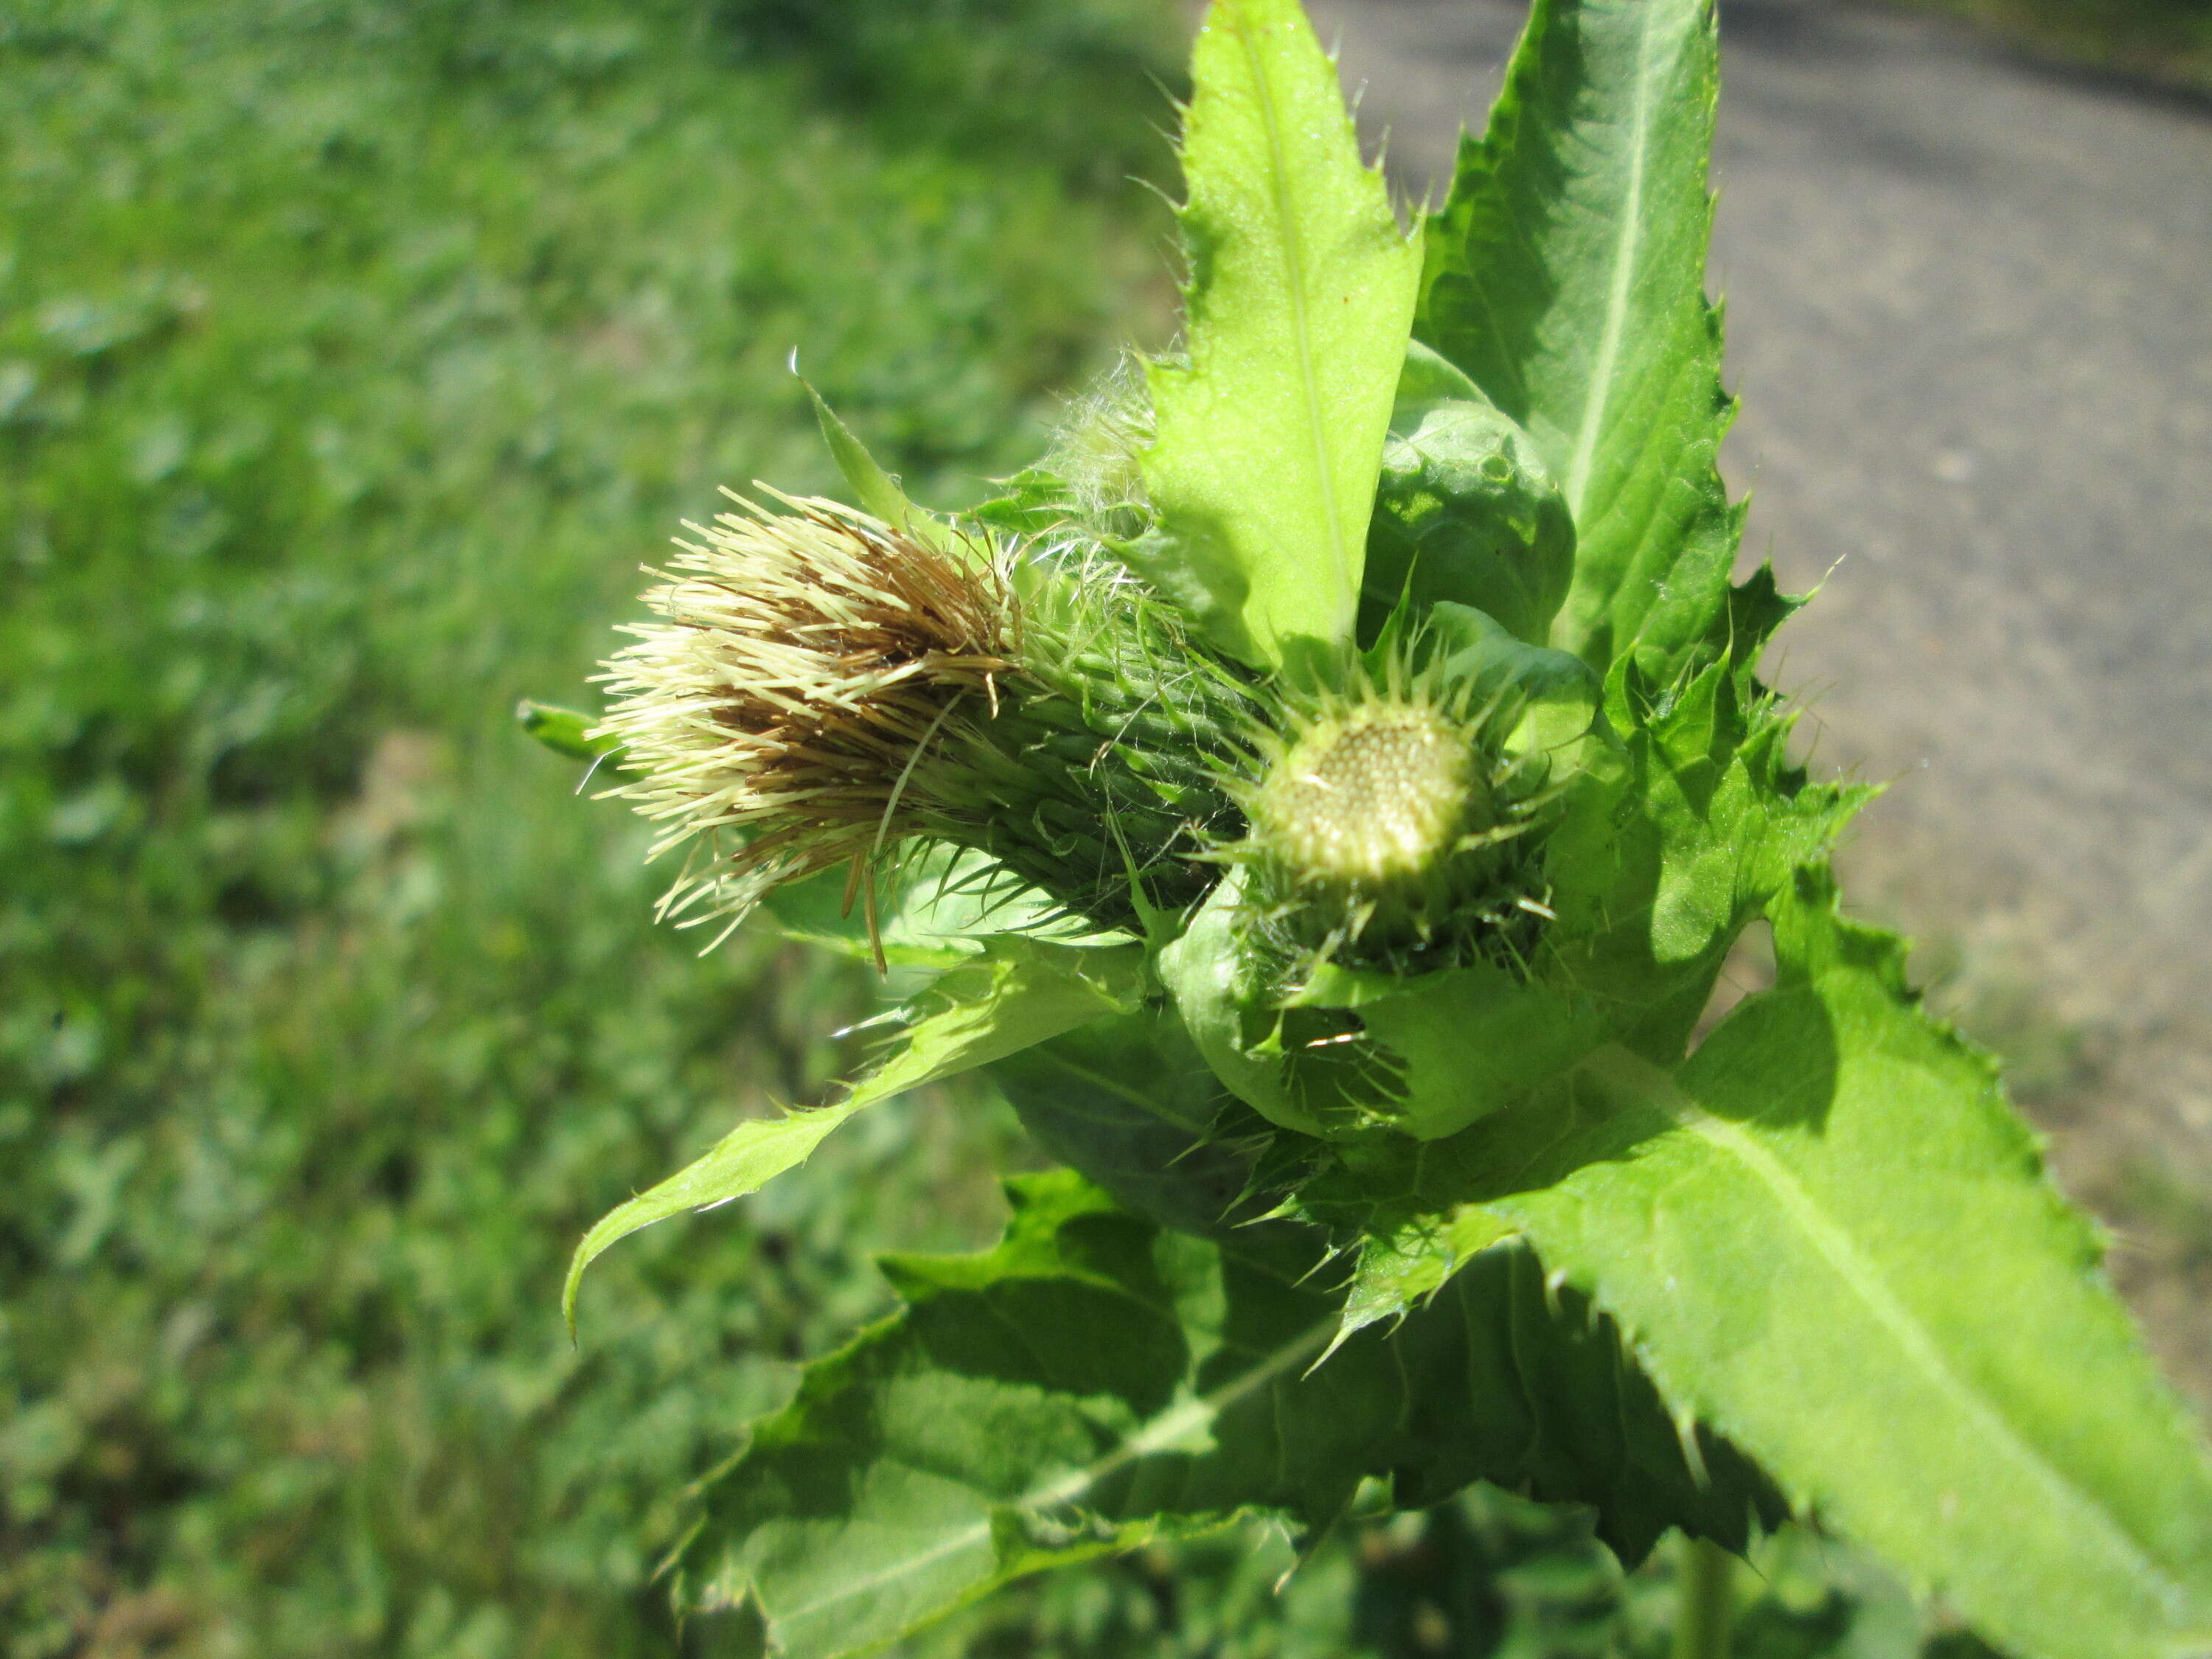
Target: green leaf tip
[565,731]
[874,489]
[1015,994]
[1298,304]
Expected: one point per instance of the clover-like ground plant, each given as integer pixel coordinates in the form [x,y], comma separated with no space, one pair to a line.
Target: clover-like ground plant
[1325,788]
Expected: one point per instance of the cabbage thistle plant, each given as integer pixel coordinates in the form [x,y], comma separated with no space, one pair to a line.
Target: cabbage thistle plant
[1323,791]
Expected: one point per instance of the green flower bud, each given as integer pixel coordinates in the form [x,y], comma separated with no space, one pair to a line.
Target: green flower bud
[1368,796]
[1392,825]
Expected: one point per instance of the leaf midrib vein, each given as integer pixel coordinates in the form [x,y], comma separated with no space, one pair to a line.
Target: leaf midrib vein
[1161,1432]
[1294,261]
[1864,1280]
[1625,263]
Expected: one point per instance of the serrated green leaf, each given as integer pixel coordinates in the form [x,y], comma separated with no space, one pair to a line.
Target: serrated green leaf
[1566,275]
[1399,1273]
[1829,1237]
[1095,1383]
[1299,299]
[1016,993]
[1661,860]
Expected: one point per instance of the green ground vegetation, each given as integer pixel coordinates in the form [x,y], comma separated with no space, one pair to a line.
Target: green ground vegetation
[352,357]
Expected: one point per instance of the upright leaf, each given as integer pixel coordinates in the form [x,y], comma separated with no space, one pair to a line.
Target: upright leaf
[1299,299]
[1095,1383]
[1830,1238]
[1014,993]
[1566,275]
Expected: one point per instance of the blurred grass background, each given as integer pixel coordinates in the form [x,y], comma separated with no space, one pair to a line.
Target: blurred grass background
[353,355]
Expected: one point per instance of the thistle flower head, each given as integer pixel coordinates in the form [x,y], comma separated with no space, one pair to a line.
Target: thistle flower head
[1388,817]
[1369,793]
[779,714]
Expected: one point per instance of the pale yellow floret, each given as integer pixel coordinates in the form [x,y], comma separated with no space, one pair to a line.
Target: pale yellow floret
[800,662]
[1377,791]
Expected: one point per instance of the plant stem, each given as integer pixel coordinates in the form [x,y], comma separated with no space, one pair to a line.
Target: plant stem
[1706,1608]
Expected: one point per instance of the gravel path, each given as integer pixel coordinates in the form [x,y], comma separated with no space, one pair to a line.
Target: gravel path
[1970,310]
